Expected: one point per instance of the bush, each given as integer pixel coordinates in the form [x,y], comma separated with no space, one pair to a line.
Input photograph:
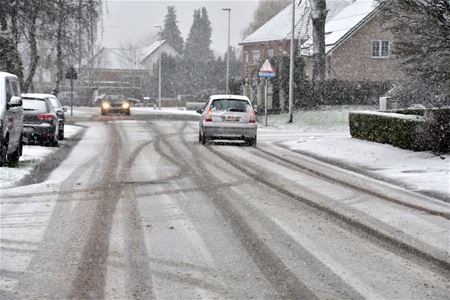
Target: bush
[413,129]
[402,131]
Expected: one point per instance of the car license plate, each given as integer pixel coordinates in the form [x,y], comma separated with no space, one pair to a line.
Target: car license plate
[230,118]
[28,129]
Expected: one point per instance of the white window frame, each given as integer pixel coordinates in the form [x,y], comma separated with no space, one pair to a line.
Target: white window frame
[256,56]
[377,49]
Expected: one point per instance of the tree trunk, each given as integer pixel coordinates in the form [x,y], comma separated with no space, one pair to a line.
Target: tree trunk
[59,45]
[34,57]
[318,17]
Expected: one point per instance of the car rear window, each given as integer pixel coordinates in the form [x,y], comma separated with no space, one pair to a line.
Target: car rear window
[55,102]
[230,105]
[34,105]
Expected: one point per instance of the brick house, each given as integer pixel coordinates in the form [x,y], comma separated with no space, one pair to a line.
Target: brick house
[273,38]
[358,44]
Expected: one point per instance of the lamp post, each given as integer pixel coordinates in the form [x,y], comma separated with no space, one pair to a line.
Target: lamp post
[291,67]
[159,66]
[228,51]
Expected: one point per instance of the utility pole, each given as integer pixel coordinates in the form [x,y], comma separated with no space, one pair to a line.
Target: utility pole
[159,66]
[291,67]
[228,52]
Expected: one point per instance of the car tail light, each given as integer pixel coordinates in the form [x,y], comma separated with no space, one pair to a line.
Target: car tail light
[252,117]
[45,117]
[209,116]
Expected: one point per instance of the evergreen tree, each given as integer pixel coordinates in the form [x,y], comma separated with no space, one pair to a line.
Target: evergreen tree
[171,33]
[199,38]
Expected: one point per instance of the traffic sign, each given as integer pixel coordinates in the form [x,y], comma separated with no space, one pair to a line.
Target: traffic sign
[267,71]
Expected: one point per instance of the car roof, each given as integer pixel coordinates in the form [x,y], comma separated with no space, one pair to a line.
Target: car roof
[6,74]
[38,95]
[239,97]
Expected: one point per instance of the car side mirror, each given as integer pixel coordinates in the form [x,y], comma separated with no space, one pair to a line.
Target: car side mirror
[15,101]
[199,111]
[64,109]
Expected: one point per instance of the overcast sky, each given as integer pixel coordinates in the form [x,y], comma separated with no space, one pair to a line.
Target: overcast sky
[128,21]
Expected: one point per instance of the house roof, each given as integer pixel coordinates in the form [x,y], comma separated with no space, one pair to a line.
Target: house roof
[147,51]
[123,58]
[279,27]
[345,23]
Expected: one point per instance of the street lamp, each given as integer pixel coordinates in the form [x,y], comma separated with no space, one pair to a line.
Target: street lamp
[228,51]
[291,67]
[159,66]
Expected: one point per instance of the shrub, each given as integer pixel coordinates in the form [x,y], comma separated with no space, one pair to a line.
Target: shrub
[414,129]
[404,131]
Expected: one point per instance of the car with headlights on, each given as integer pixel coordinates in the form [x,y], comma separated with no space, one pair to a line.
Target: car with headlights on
[60,110]
[41,124]
[228,117]
[115,104]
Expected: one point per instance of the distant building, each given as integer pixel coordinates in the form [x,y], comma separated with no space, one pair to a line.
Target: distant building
[125,70]
[358,43]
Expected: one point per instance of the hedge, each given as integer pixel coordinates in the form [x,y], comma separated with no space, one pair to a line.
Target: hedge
[417,130]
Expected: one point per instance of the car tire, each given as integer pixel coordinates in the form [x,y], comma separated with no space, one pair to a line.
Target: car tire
[3,151]
[13,158]
[128,113]
[251,142]
[199,135]
[204,139]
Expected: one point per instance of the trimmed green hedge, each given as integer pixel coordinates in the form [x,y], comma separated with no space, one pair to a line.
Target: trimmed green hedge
[402,131]
[428,129]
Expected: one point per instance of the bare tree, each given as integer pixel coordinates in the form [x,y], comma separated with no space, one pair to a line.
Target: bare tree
[318,17]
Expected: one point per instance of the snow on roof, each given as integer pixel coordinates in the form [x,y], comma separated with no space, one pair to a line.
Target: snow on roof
[123,58]
[279,27]
[344,22]
[151,49]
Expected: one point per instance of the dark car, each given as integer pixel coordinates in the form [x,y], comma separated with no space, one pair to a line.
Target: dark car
[41,124]
[60,110]
[115,104]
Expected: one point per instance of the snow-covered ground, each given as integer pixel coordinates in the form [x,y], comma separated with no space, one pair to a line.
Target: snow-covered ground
[322,133]
[325,134]
[32,158]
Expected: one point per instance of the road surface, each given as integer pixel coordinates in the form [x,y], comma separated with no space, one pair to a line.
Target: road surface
[141,210]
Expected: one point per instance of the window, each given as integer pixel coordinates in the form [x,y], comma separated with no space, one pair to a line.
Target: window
[380,48]
[256,56]
[8,91]
[246,57]
[270,52]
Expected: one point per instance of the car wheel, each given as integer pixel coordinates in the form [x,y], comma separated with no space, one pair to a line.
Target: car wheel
[199,135]
[13,158]
[251,142]
[204,139]
[3,150]
[127,112]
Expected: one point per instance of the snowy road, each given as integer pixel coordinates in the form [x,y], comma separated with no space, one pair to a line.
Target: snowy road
[141,210]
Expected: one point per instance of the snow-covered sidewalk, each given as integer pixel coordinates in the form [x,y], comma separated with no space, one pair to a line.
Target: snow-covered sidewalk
[32,157]
[324,134]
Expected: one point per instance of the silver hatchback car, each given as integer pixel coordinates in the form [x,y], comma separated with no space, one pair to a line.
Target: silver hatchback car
[228,117]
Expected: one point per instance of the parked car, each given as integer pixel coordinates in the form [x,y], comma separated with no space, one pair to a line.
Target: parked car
[11,119]
[41,124]
[115,104]
[228,117]
[60,110]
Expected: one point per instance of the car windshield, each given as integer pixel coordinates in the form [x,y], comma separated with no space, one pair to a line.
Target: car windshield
[232,105]
[115,98]
[34,105]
